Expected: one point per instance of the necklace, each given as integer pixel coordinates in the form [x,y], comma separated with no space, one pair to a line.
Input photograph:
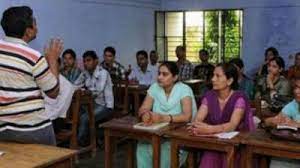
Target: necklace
[222,101]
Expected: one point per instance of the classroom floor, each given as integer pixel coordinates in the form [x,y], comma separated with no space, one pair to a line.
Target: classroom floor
[98,161]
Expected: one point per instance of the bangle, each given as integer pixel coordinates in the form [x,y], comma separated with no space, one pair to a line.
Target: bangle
[142,113]
[171,118]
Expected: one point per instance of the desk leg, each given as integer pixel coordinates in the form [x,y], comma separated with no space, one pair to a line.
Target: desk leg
[174,154]
[230,157]
[108,148]
[249,157]
[136,103]
[130,154]
[156,151]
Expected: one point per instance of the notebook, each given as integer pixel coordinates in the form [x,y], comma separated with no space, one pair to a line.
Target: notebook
[153,127]
[286,127]
[223,135]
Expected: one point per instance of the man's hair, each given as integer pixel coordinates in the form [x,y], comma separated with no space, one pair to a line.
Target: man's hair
[91,54]
[16,20]
[143,53]
[203,51]
[110,49]
[71,52]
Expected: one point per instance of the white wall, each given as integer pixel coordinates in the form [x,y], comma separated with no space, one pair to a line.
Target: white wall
[128,25]
[266,23]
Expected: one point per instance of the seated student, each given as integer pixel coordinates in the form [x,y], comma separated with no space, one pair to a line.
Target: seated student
[204,71]
[185,67]
[294,71]
[97,80]
[289,116]
[274,88]
[70,69]
[115,69]
[154,60]
[270,53]
[245,83]
[143,73]
[222,109]
[57,108]
[168,100]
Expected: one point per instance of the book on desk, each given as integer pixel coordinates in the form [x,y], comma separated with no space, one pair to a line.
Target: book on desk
[152,127]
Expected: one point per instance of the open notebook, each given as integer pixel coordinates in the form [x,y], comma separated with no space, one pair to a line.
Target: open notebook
[151,127]
[286,127]
[223,135]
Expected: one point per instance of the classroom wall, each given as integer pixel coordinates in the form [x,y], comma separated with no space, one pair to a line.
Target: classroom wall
[266,23]
[128,25]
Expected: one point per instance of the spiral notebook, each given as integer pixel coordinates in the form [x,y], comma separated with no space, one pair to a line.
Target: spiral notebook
[151,127]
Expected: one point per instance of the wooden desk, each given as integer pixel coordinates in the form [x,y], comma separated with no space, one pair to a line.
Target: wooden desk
[260,142]
[180,137]
[136,91]
[34,155]
[80,98]
[124,128]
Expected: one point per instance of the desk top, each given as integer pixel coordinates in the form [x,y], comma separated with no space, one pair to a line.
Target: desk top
[181,133]
[261,138]
[32,155]
[126,124]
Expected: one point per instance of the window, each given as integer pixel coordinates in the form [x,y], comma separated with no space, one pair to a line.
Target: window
[218,31]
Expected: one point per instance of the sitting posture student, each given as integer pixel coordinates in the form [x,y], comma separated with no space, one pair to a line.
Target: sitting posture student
[185,66]
[167,100]
[70,69]
[115,69]
[24,73]
[245,84]
[222,109]
[274,87]
[294,71]
[143,73]
[290,116]
[96,80]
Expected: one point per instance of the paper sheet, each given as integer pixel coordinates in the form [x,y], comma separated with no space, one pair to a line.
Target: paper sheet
[227,135]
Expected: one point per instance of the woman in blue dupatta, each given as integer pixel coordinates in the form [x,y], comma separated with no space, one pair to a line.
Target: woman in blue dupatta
[167,100]
[222,109]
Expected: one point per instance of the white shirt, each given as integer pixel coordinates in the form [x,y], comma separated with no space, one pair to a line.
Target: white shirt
[146,78]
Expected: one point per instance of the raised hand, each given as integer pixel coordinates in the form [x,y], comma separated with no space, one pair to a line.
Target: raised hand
[53,50]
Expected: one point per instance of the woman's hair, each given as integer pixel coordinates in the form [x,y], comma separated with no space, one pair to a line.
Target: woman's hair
[273,50]
[238,62]
[230,71]
[172,67]
[279,61]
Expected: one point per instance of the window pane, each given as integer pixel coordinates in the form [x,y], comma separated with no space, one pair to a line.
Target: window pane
[160,48]
[160,25]
[194,35]
[174,33]
[172,43]
[232,33]
[211,42]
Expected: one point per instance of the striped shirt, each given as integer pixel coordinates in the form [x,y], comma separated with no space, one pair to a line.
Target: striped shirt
[24,72]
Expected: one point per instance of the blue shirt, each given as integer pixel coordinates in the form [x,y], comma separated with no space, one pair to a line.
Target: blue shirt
[291,110]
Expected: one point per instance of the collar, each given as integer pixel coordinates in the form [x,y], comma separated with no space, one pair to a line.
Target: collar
[95,73]
[147,70]
[14,40]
